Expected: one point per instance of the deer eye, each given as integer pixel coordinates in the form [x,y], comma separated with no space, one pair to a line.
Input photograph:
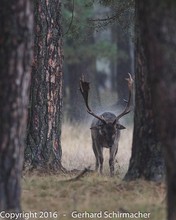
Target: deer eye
[103,132]
[113,136]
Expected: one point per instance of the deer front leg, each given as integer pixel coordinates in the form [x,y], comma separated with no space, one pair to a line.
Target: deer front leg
[113,152]
[101,159]
[96,156]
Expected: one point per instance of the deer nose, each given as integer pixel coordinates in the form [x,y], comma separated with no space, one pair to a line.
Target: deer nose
[110,143]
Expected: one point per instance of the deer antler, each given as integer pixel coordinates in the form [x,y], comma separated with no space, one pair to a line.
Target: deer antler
[127,108]
[84,89]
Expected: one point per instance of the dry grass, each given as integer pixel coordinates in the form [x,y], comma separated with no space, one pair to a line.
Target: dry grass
[91,193]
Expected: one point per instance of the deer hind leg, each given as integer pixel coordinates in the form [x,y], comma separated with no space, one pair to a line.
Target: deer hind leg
[112,152]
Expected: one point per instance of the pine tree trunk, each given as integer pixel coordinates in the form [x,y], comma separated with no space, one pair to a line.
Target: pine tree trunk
[147,157]
[16,29]
[44,125]
[159,45]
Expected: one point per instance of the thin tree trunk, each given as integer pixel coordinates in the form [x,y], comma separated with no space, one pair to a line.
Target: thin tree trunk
[16,29]
[76,106]
[147,157]
[44,126]
[77,111]
[114,63]
[123,64]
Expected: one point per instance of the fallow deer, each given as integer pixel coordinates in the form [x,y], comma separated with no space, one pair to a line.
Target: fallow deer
[105,128]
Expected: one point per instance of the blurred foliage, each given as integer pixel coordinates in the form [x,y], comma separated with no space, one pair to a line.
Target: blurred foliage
[81,22]
[79,43]
[91,46]
[121,12]
[75,18]
[90,51]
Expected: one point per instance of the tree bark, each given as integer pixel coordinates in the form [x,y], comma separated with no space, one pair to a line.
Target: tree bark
[44,125]
[159,45]
[147,157]
[16,29]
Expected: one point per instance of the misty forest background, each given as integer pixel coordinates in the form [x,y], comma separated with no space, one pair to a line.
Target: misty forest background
[104,57]
[45,48]
[105,54]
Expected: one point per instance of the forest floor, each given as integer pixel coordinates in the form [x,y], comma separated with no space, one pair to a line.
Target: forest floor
[55,197]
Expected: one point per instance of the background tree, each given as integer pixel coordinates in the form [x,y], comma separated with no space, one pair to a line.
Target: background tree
[44,125]
[147,158]
[158,33]
[79,30]
[124,62]
[121,19]
[16,28]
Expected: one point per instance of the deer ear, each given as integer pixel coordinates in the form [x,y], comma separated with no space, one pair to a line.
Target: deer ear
[95,127]
[92,128]
[120,127]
